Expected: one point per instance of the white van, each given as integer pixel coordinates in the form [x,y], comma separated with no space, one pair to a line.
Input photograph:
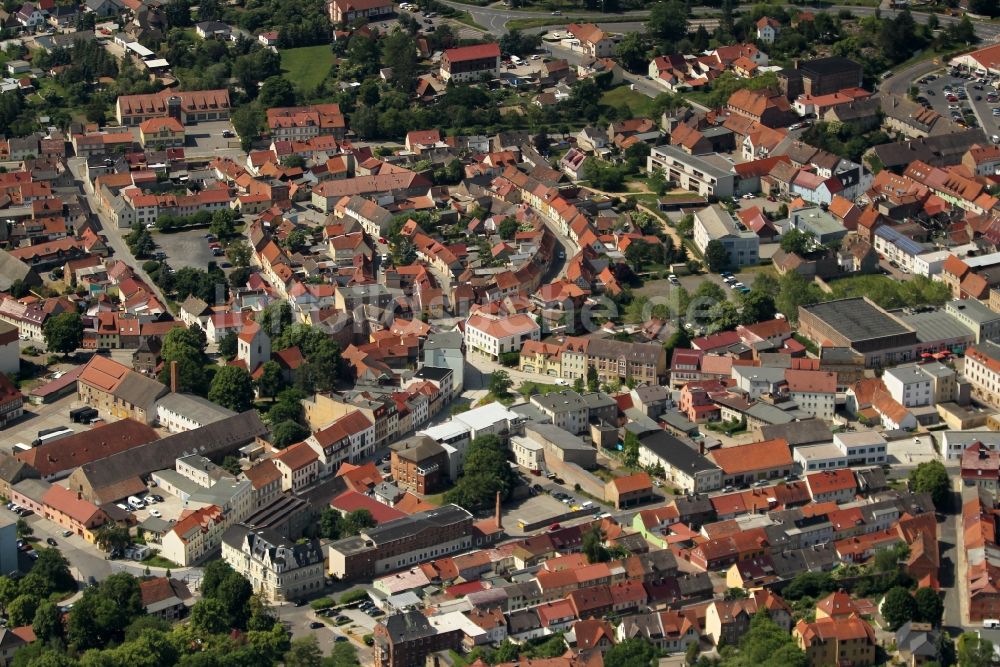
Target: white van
[135,502]
[991,623]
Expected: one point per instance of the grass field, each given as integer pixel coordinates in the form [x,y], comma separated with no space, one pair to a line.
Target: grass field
[307,66]
[639,104]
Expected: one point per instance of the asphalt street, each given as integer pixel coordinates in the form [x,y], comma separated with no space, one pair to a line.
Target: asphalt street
[495,17]
[113,235]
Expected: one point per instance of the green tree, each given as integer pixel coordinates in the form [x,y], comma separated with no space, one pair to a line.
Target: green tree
[304,652]
[507,228]
[593,545]
[330,523]
[757,307]
[632,52]
[767,645]
[668,21]
[23,529]
[271,380]
[630,449]
[228,346]
[232,387]
[930,608]
[399,52]
[48,623]
[898,608]
[486,472]
[113,537]
[635,652]
[716,256]
[932,477]
[53,568]
[213,575]
[796,291]
[973,651]
[209,615]
[63,332]
[765,283]
[223,223]
[500,383]
[21,610]
[797,242]
[355,521]
[288,433]
[277,91]
[234,592]
[343,655]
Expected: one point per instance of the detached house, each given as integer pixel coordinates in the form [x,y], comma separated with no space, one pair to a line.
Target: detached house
[593,41]
[767,29]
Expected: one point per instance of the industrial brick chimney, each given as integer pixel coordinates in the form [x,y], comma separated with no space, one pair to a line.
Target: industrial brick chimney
[498,519]
[173,376]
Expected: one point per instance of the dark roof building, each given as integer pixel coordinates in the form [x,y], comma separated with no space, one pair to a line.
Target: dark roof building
[120,475]
[858,323]
[401,543]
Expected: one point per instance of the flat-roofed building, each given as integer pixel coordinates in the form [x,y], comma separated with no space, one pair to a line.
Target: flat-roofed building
[859,324]
[402,543]
[705,174]
[974,314]
[715,223]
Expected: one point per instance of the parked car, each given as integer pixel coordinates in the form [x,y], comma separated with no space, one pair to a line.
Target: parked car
[67,533]
[51,542]
[315,624]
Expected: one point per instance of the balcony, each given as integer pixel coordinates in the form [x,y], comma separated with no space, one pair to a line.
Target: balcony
[427,470]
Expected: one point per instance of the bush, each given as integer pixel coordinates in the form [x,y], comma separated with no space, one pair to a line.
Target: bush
[354,596]
[322,603]
[510,359]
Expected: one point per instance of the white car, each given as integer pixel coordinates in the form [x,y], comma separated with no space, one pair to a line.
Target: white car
[673,279]
[749,195]
[156,513]
[562,383]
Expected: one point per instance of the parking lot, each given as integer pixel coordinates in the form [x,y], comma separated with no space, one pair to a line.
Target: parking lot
[37,418]
[965,91]
[533,509]
[187,248]
[206,137]
[911,451]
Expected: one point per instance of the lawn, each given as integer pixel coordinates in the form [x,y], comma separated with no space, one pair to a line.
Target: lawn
[638,104]
[157,560]
[530,388]
[307,66]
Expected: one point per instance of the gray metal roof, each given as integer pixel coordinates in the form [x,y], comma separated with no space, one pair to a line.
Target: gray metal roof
[200,410]
[857,319]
